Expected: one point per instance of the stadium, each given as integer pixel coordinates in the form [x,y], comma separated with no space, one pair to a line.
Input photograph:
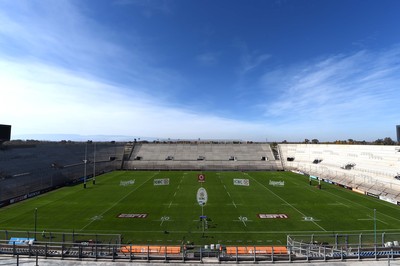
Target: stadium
[198,201]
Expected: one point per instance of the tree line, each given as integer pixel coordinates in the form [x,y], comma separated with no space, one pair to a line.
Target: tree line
[385,141]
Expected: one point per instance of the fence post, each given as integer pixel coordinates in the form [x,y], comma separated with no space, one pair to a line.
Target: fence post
[336,240]
[391,252]
[272,254]
[62,250]
[237,254]
[341,253]
[113,253]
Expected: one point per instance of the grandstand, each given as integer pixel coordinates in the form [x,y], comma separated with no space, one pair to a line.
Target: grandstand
[200,156]
[369,169]
[30,169]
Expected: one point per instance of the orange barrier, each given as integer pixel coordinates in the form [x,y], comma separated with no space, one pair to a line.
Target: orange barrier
[256,249]
[151,249]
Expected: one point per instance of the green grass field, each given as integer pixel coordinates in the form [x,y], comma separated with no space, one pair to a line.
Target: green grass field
[173,214]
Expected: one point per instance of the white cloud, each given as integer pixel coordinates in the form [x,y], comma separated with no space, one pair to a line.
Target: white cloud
[207,59]
[43,99]
[341,93]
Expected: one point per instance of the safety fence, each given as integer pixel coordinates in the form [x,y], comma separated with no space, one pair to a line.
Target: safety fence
[296,252]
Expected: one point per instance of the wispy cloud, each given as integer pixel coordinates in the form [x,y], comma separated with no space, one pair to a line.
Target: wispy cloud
[58,34]
[207,59]
[54,32]
[149,7]
[41,97]
[339,91]
[252,61]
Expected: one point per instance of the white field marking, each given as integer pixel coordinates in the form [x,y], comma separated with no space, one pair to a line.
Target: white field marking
[312,190]
[310,219]
[165,219]
[229,194]
[249,241]
[96,218]
[112,206]
[376,219]
[108,231]
[178,186]
[225,187]
[159,240]
[175,194]
[395,207]
[294,208]
[234,204]
[337,203]
[169,240]
[259,241]
[2,220]
[243,219]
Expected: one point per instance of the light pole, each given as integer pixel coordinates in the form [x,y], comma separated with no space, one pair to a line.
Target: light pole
[94,165]
[85,162]
[374,226]
[35,219]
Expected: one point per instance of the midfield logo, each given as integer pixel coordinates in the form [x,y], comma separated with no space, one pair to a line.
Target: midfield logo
[272,216]
[201,178]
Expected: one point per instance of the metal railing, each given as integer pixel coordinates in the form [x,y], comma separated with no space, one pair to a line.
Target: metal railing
[296,252]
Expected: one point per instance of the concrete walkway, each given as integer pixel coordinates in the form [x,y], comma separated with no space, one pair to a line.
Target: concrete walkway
[9,260]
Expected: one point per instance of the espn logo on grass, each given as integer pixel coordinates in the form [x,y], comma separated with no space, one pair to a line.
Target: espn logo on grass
[132,215]
[272,216]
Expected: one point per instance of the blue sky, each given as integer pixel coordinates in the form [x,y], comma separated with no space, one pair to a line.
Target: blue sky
[186,69]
